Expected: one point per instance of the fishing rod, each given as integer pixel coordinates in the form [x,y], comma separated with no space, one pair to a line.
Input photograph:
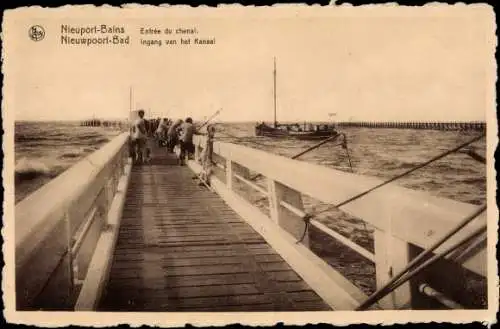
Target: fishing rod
[414,267]
[426,163]
[357,196]
[438,157]
[315,146]
[210,118]
[474,155]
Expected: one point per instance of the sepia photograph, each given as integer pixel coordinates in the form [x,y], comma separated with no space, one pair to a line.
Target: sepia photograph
[299,164]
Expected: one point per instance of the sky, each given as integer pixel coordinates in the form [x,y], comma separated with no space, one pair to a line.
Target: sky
[362,64]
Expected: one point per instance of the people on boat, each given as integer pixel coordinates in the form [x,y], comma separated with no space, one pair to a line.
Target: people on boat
[172,135]
[187,130]
[138,136]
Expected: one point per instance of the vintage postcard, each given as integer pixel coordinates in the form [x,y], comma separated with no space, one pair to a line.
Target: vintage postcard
[167,165]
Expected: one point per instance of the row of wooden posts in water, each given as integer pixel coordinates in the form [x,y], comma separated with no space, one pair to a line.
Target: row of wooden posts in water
[102,123]
[475,125]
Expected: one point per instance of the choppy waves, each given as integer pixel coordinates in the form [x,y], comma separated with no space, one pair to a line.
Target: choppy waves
[29,169]
[385,153]
[56,139]
[45,150]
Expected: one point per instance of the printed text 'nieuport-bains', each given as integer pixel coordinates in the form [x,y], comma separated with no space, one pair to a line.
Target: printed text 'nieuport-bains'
[93,35]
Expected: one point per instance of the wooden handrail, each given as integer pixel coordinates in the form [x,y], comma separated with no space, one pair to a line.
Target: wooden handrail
[339,237]
[362,251]
[34,212]
[412,216]
[404,220]
[50,227]
[85,229]
[251,184]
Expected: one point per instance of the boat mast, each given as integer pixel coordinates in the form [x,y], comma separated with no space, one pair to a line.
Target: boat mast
[274,74]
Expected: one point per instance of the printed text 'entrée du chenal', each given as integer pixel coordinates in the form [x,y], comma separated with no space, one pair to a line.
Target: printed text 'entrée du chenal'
[153,36]
[102,34]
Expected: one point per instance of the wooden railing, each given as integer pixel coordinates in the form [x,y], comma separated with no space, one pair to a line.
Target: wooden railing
[58,227]
[405,222]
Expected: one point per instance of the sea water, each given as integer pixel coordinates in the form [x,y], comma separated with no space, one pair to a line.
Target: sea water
[43,150]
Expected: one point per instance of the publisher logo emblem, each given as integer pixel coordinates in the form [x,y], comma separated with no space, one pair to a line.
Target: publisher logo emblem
[36,33]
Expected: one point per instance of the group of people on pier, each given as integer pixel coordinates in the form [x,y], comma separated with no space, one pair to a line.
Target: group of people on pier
[166,133]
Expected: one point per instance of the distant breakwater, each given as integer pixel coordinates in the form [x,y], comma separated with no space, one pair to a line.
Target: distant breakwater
[463,126]
[102,123]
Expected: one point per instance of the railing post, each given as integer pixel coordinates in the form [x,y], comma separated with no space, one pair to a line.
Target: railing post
[286,219]
[391,256]
[229,174]
[232,169]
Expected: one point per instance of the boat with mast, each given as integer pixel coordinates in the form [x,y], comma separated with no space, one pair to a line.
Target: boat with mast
[303,131]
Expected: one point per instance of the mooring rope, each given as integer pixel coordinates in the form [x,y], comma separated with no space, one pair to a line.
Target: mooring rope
[315,146]
[357,196]
[344,146]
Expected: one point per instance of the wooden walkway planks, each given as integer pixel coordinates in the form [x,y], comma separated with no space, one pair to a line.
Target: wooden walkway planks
[181,248]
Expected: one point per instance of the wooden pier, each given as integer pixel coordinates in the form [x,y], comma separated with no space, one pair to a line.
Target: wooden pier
[149,238]
[181,248]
